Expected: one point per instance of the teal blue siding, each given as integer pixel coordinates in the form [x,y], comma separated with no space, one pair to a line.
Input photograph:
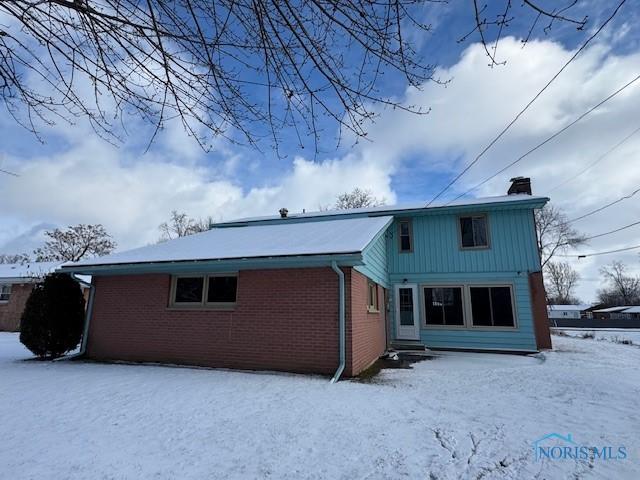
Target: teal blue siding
[436,245]
[438,259]
[374,257]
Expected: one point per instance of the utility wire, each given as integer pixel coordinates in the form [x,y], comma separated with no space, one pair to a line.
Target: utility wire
[605,206]
[548,139]
[8,172]
[597,160]
[526,107]
[612,231]
[585,255]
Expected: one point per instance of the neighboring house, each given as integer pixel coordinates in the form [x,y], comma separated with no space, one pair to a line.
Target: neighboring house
[565,312]
[16,282]
[627,312]
[270,292]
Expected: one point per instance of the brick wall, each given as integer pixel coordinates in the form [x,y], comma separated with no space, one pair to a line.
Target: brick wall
[539,310]
[365,330]
[284,320]
[11,311]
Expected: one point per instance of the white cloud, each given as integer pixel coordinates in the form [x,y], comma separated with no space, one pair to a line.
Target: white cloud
[93,182]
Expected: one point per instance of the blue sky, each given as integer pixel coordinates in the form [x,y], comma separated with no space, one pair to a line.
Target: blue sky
[74,176]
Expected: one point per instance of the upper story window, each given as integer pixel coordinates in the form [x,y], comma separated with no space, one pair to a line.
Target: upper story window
[405,235]
[204,290]
[5,293]
[474,232]
[372,297]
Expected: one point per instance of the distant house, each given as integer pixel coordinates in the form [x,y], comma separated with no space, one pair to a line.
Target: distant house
[563,312]
[624,312]
[326,292]
[16,283]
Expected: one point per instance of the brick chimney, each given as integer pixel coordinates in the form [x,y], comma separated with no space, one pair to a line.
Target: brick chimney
[520,185]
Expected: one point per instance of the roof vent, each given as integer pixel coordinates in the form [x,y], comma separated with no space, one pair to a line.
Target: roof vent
[283,212]
[520,185]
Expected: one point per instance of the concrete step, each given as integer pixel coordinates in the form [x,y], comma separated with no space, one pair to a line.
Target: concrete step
[407,345]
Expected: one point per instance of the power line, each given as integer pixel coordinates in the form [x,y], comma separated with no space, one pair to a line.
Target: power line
[548,139]
[585,255]
[612,231]
[526,107]
[625,197]
[9,173]
[597,160]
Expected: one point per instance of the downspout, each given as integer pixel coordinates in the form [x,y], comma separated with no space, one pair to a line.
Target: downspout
[341,323]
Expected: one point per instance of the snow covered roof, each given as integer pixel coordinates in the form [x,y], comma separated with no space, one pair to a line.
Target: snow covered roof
[568,307]
[25,271]
[635,309]
[612,309]
[342,236]
[502,199]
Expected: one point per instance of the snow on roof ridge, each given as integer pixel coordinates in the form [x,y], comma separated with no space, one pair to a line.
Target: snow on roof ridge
[388,208]
[28,269]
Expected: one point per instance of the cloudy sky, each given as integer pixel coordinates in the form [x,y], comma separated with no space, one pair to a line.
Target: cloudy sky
[76,177]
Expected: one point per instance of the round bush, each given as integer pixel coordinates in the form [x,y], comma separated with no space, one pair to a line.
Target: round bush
[52,322]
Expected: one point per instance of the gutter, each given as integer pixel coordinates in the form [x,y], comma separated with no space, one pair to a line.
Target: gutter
[342,323]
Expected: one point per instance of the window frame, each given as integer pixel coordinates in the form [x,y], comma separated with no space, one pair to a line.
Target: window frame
[8,293]
[372,307]
[409,222]
[423,306]
[467,313]
[487,228]
[203,304]
[513,307]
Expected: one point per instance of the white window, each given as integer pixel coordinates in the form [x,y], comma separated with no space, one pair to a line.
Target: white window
[5,293]
[443,306]
[492,306]
[204,290]
[372,297]
[468,306]
[474,232]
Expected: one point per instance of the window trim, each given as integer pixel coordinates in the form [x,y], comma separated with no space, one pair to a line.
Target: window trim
[373,307]
[487,227]
[514,312]
[8,285]
[467,314]
[410,223]
[203,304]
[423,306]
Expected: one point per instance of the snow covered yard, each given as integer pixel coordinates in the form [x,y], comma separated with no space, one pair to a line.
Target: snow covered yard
[458,416]
[617,335]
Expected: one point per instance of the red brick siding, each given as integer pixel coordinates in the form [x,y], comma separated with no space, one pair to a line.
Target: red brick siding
[539,310]
[284,320]
[365,331]
[11,311]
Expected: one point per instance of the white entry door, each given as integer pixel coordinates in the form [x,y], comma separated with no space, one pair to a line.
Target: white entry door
[407,323]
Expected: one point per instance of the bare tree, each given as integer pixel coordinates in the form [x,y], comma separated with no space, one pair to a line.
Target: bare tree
[561,280]
[245,70]
[181,225]
[622,288]
[14,258]
[75,243]
[555,233]
[357,198]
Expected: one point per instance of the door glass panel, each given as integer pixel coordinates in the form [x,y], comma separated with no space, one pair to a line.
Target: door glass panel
[406,306]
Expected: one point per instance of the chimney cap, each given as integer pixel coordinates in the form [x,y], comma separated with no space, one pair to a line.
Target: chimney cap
[520,185]
[283,212]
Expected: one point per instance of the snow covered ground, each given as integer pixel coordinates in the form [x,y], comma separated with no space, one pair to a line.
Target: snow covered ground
[609,334]
[458,416]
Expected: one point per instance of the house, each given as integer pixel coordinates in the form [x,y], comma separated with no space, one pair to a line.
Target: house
[559,314]
[325,292]
[16,282]
[623,312]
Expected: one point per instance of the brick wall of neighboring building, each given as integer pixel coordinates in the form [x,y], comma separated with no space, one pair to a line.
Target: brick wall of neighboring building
[11,311]
[365,330]
[283,320]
